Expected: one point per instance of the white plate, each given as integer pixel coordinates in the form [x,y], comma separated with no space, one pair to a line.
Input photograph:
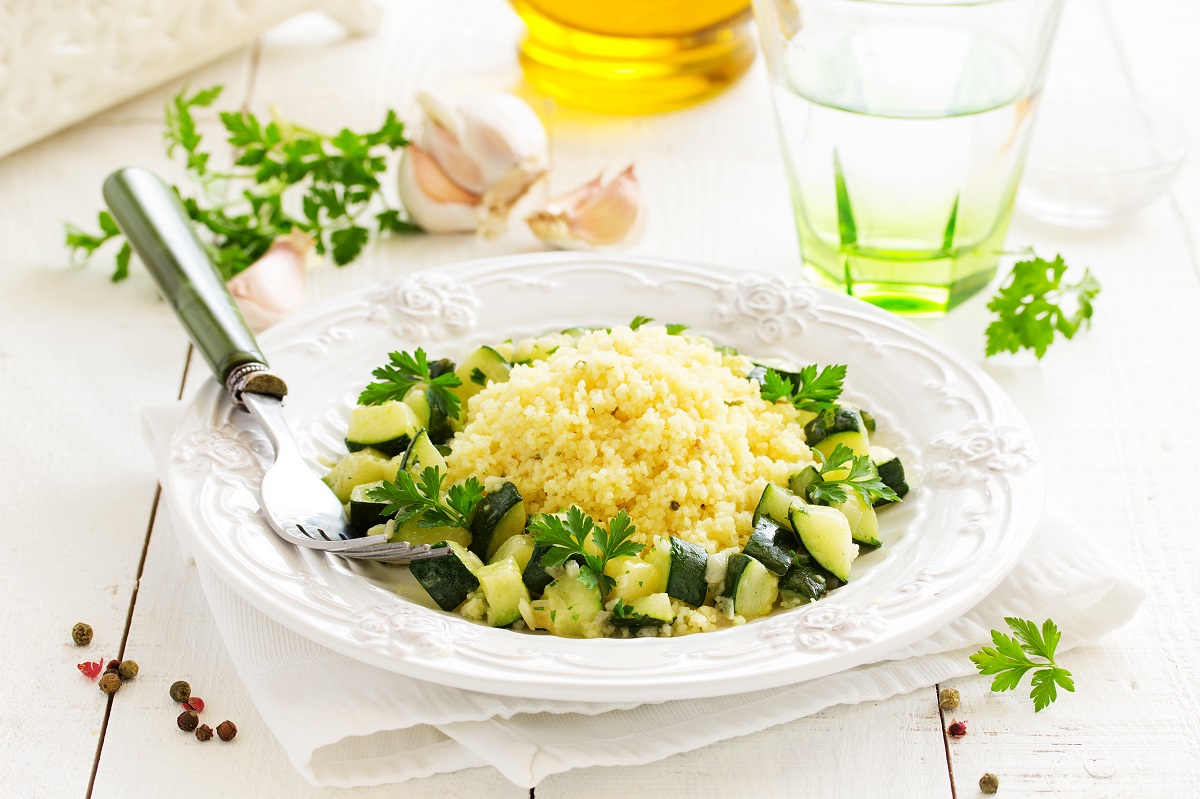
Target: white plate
[977,482]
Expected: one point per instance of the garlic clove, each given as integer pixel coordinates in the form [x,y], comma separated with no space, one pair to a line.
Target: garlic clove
[594,215]
[272,288]
[503,134]
[453,160]
[434,215]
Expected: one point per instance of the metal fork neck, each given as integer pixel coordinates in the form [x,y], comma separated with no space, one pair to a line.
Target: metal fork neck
[254,378]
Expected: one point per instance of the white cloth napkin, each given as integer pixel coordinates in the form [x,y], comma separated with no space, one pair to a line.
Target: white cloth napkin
[359,725]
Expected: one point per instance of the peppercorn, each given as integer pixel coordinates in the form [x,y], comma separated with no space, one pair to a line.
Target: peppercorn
[127,670]
[957,729]
[180,691]
[204,733]
[226,730]
[948,699]
[81,634]
[194,703]
[989,783]
[110,683]
[112,667]
[187,720]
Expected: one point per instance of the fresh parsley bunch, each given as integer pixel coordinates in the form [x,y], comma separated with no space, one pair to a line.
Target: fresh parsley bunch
[1010,660]
[422,499]
[285,177]
[810,391]
[862,478]
[1035,302]
[404,372]
[567,535]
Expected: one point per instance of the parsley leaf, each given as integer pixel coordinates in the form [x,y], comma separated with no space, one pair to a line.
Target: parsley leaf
[406,371]
[1034,303]
[1009,660]
[861,477]
[284,178]
[421,499]
[638,321]
[808,391]
[676,329]
[567,535]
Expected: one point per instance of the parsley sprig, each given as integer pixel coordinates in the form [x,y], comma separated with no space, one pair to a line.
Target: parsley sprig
[673,329]
[568,534]
[1010,660]
[810,391]
[862,478]
[1035,303]
[422,499]
[284,178]
[406,371]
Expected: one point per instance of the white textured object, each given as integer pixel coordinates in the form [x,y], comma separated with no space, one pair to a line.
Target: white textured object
[63,60]
[978,486]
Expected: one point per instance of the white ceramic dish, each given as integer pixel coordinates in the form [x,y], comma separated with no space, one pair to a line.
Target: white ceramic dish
[977,483]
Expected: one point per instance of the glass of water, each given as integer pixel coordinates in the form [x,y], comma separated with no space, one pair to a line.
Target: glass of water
[904,128]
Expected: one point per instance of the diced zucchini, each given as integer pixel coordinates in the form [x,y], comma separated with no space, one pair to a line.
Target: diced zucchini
[841,426]
[389,428]
[891,472]
[864,525]
[772,545]
[440,428]
[649,611]
[357,468]
[686,581]
[412,532]
[482,366]
[419,403]
[568,608]
[806,581]
[499,517]
[636,578]
[535,576]
[825,533]
[753,588]
[519,548]
[503,590]
[450,578]
[774,504]
[868,420]
[799,483]
[421,454]
[365,513]
[440,367]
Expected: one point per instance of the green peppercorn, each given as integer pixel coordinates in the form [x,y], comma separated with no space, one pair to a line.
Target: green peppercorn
[81,634]
[110,683]
[204,733]
[180,691]
[948,699]
[226,730]
[127,670]
[187,720]
[989,783]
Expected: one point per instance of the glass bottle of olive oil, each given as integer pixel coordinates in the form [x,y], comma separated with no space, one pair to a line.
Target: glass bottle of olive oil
[634,56]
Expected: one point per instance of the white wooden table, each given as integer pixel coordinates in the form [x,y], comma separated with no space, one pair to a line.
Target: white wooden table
[79,358]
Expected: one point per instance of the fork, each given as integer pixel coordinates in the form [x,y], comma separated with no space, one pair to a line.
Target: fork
[300,508]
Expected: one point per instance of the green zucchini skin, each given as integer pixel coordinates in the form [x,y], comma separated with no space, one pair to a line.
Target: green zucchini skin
[868,420]
[440,367]
[799,483]
[686,580]
[733,573]
[366,513]
[809,581]
[446,579]
[488,516]
[772,544]
[842,420]
[891,472]
[439,429]
[535,577]
[648,611]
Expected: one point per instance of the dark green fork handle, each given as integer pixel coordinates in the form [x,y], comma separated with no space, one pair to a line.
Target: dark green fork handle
[156,224]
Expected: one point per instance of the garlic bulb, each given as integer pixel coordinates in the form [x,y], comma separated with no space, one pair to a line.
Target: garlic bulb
[272,288]
[471,164]
[594,215]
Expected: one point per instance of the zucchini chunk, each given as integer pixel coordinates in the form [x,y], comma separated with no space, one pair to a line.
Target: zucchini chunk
[568,608]
[421,454]
[500,516]
[519,548]
[450,578]
[419,402]
[806,581]
[482,366]
[389,428]
[891,472]
[636,578]
[868,420]
[825,533]
[503,590]
[864,524]
[799,483]
[753,589]
[535,576]
[366,513]
[653,610]
[364,466]
[440,428]
[771,544]
[774,504]
[412,532]
[681,567]
[841,426]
